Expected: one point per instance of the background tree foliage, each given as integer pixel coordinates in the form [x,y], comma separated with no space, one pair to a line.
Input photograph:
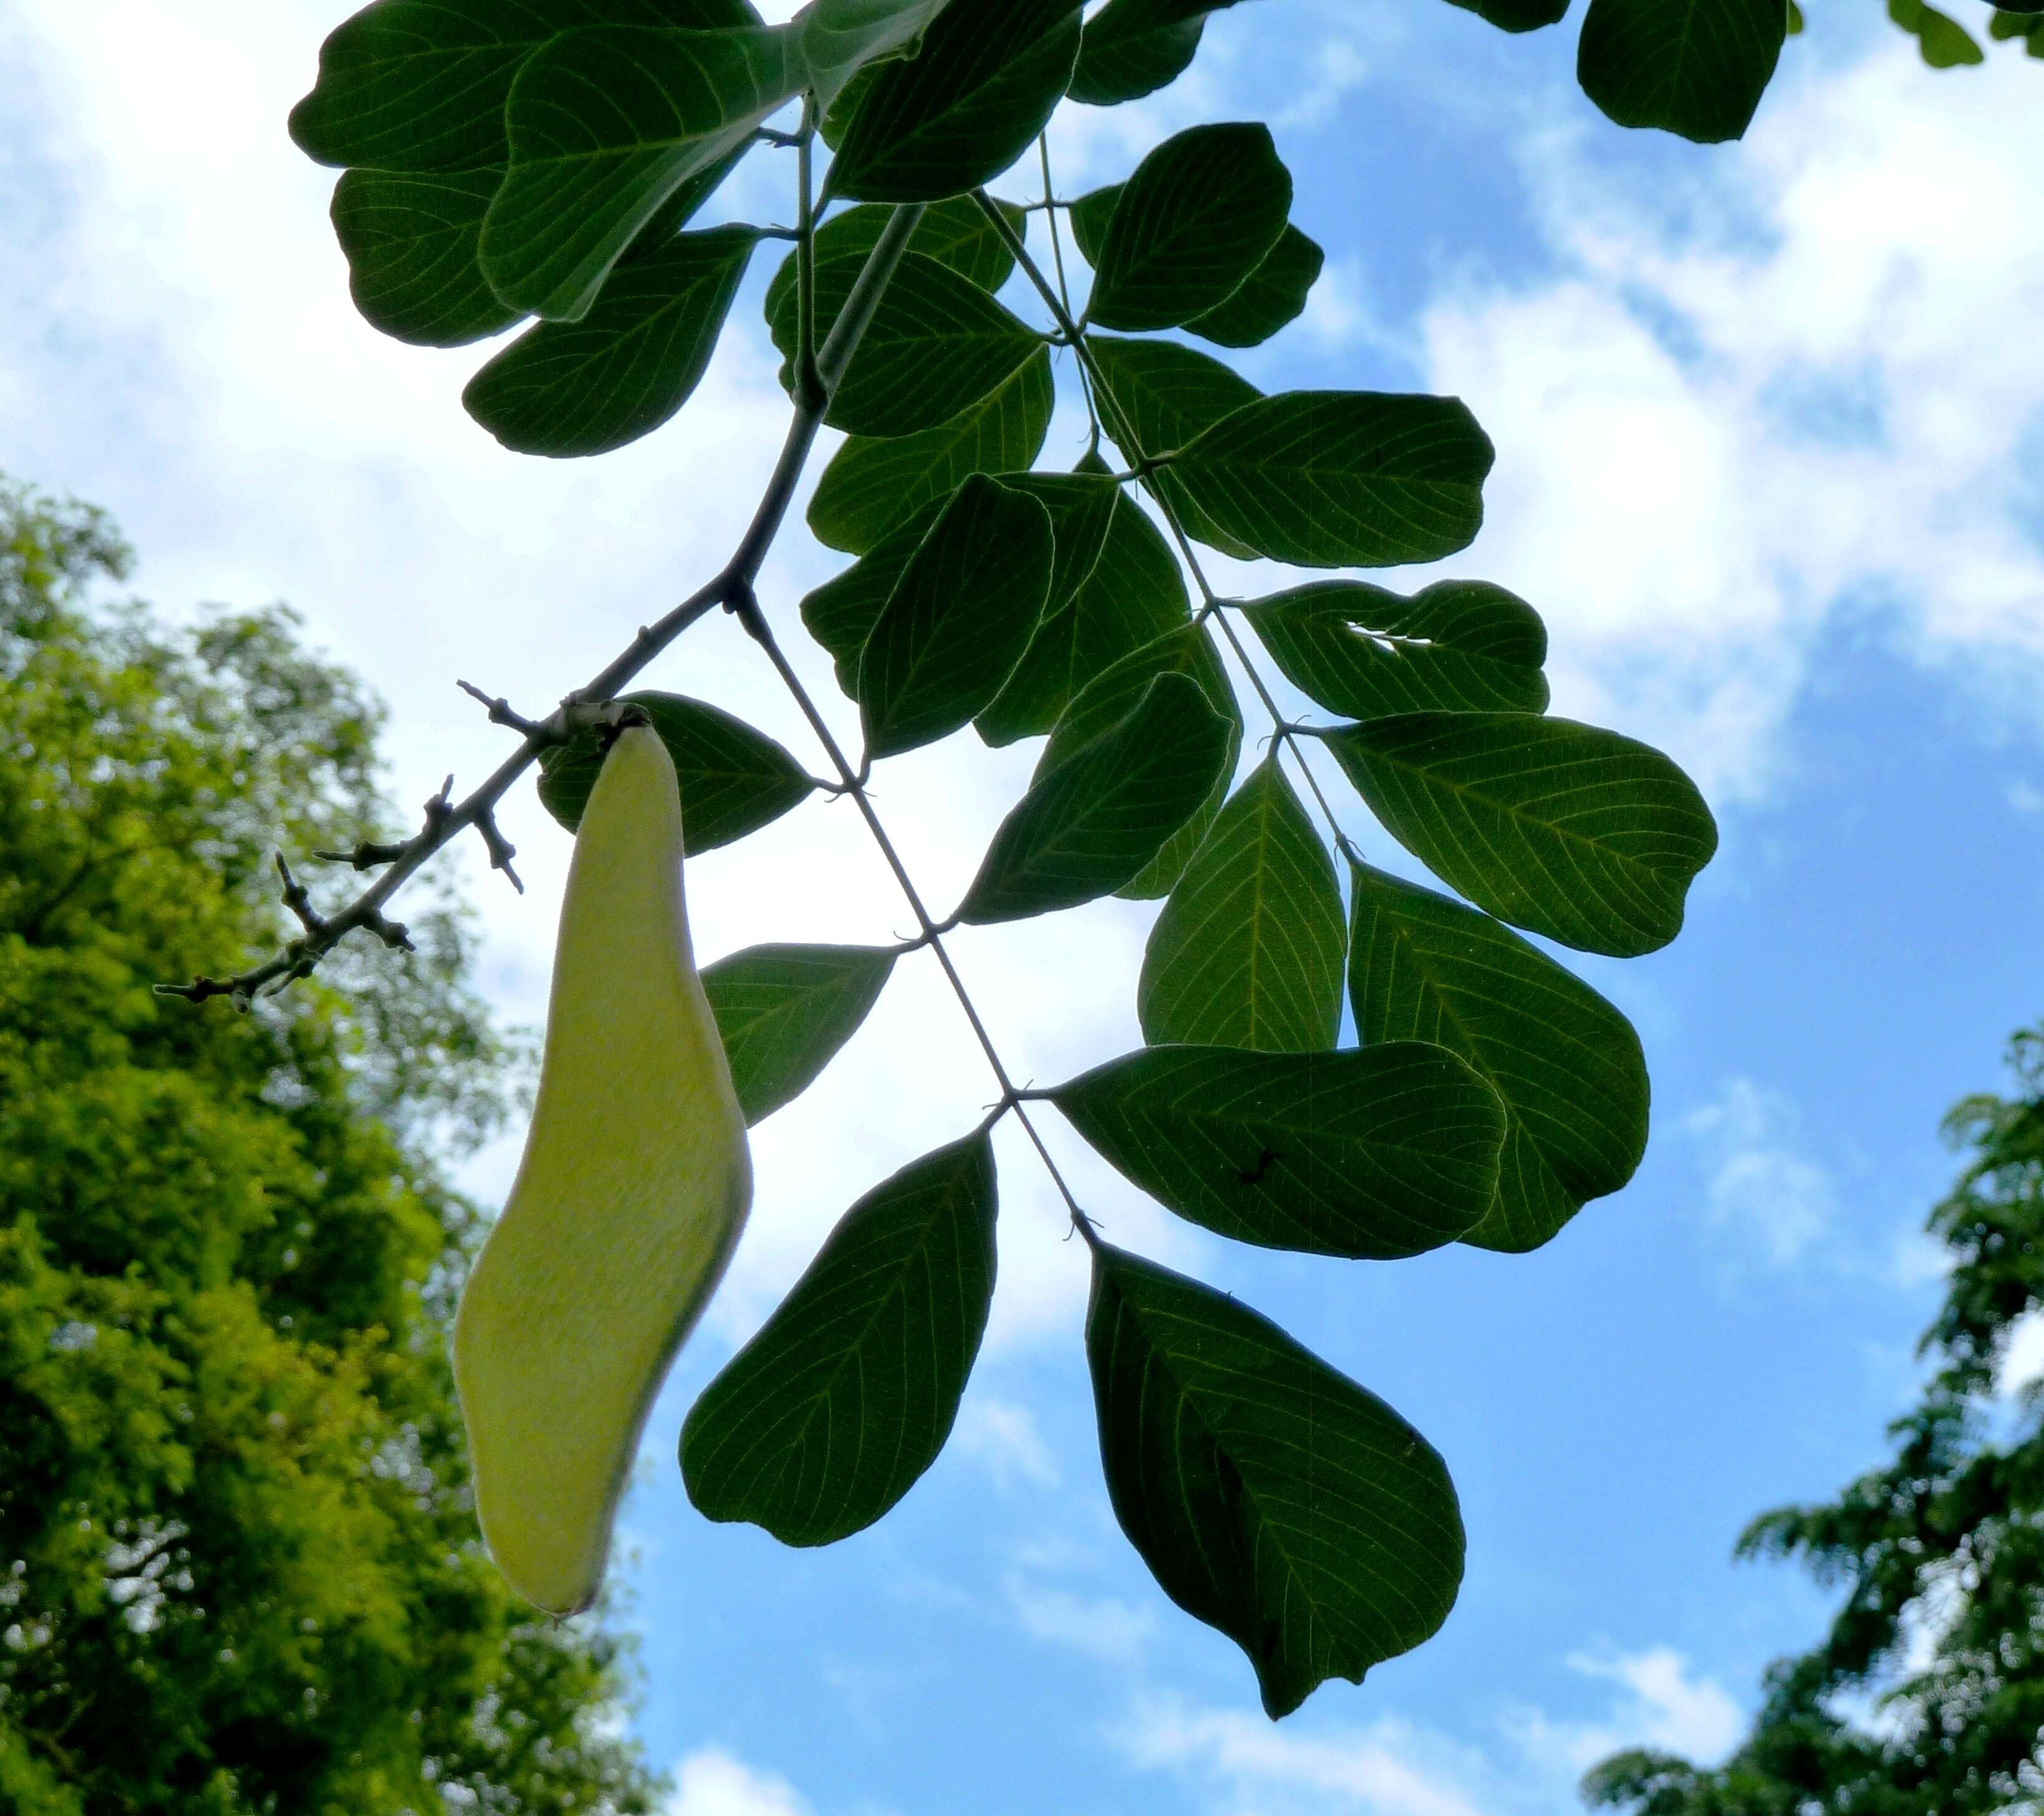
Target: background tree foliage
[1941,1552]
[239,1570]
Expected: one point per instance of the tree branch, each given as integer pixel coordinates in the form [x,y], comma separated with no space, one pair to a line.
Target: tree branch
[446,818]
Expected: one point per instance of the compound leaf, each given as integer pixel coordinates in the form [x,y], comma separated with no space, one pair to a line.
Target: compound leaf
[1091,822]
[734,780]
[584,387]
[410,242]
[1200,213]
[1271,1497]
[1342,478]
[783,1012]
[1248,951]
[874,483]
[955,233]
[1565,1064]
[1374,1152]
[1456,646]
[1568,829]
[966,604]
[831,1412]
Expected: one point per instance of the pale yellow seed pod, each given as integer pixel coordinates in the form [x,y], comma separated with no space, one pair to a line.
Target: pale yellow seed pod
[633,1188]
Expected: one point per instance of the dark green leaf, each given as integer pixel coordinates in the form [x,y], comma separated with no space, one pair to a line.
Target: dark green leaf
[606,126]
[410,242]
[840,37]
[840,613]
[1200,213]
[1089,216]
[1697,67]
[1565,1064]
[419,85]
[874,483]
[967,603]
[1374,1152]
[983,85]
[784,1011]
[1270,296]
[1568,829]
[1091,823]
[1516,15]
[937,343]
[1109,698]
[1248,951]
[1457,646]
[1117,588]
[1944,42]
[955,233]
[734,780]
[828,1417]
[1342,478]
[1171,395]
[1133,47]
[1271,1497]
[586,387]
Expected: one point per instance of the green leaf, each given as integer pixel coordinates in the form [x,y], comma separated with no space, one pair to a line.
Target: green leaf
[982,87]
[874,483]
[1271,1497]
[734,780]
[1372,1153]
[1089,216]
[1516,15]
[1172,394]
[1944,42]
[955,233]
[1091,822]
[1457,646]
[410,242]
[419,85]
[1564,1063]
[584,387]
[840,613]
[784,1010]
[1200,213]
[1342,478]
[1133,47]
[1272,295]
[606,126]
[968,601]
[828,1417]
[1109,698]
[1568,829]
[937,343]
[1248,951]
[1697,67]
[840,37]
[1117,588]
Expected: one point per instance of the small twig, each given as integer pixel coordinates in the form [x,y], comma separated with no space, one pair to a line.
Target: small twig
[297,901]
[502,850]
[366,856]
[500,709]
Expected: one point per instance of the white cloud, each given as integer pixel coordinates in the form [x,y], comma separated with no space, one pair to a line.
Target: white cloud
[1101,1626]
[712,1782]
[1734,413]
[1004,1436]
[2021,1364]
[1763,1189]
[1662,1706]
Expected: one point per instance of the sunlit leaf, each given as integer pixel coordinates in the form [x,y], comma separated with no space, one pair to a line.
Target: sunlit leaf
[1568,829]
[1248,951]
[840,37]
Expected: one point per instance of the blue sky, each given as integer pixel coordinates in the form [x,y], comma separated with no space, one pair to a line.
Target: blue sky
[1767,420]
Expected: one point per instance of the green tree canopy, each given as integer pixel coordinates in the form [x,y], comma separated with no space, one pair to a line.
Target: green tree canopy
[238,1569]
[1940,1552]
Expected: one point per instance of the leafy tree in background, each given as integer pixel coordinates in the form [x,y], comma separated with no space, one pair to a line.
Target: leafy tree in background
[1941,1552]
[239,1571]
